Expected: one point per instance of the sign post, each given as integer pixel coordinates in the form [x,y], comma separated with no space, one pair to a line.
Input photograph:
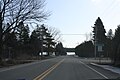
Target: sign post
[100,50]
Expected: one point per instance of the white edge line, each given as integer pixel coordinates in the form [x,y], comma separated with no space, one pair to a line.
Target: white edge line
[94,70]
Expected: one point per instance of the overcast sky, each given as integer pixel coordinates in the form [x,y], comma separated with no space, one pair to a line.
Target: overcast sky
[77,17]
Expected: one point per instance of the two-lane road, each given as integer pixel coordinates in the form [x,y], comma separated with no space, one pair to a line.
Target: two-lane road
[60,68]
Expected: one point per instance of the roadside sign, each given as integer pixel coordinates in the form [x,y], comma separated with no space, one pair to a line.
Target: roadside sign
[100,49]
[98,44]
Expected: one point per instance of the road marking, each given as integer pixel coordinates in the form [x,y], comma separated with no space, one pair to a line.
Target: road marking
[94,70]
[45,73]
[22,65]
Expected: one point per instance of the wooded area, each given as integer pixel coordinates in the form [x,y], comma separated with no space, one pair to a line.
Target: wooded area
[21,34]
[110,43]
[17,41]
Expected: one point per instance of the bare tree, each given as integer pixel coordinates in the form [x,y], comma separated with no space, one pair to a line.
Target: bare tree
[88,36]
[55,33]
[12,12]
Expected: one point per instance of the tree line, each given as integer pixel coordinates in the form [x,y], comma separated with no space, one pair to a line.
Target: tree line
[17,17]
[85,49]
[108,43]
[22,44]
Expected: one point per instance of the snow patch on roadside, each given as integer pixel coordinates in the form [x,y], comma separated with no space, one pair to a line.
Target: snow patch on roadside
[108,67]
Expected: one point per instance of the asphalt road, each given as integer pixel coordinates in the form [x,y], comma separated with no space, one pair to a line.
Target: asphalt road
[59,68]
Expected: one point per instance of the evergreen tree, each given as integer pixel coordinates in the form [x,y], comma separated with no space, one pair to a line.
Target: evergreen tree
[23,47]
[116,46]
[85,49]
[10,44]
[42,38]
[49,43]
[99,36]
[15,11]
[99,31]
[109,43]
[110,34]
[23,33]
[35,42]
[60,49]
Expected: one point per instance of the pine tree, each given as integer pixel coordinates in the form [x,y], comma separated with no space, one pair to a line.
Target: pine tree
[23,33]
[109,43]
[43,39]
[60,49]
[116,46]
[99,31]
[10,44]
[99,37]
[110,34]
[85,49]
[23,40]
[49,43]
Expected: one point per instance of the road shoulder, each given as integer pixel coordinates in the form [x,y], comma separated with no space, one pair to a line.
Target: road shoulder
[108,67]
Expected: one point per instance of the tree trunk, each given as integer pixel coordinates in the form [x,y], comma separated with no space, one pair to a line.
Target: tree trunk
[115,54]
[1,42]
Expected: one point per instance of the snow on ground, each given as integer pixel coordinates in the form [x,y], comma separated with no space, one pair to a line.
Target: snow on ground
[108,67]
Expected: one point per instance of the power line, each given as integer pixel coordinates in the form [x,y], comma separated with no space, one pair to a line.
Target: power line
[74,34]
[110,7]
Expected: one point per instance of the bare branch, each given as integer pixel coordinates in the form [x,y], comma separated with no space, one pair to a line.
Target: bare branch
[15,11]
[55,33]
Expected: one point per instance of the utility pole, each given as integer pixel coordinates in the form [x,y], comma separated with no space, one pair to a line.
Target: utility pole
[95,42]
[41,46]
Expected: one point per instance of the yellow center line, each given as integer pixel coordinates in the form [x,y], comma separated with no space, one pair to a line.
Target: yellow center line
[45,73]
